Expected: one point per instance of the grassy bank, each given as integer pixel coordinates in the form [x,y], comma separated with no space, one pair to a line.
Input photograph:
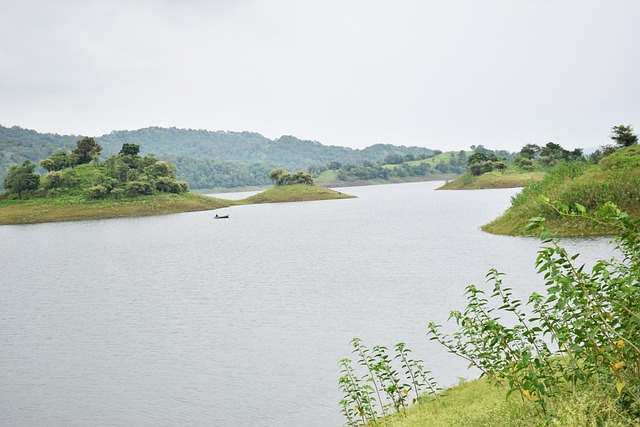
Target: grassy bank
[480,404]
[511,178]
[76,208]
[470,404]
[615,179]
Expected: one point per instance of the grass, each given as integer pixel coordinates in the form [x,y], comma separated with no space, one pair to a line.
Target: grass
[513,177]
[478,404]
[76,208]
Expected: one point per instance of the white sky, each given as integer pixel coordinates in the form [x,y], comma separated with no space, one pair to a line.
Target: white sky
[442,74]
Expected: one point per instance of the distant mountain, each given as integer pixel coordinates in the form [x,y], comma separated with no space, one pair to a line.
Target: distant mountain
[218,152]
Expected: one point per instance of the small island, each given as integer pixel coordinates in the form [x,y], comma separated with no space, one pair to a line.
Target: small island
[78,186]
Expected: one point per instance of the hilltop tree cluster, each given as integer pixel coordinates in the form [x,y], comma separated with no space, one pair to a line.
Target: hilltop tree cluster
[80,172]
[281,176]
[622,136]
[548,155]
[480,163]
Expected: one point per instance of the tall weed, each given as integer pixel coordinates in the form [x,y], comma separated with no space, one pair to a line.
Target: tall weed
[382,384]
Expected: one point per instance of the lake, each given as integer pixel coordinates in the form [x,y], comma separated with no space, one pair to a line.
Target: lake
[186,320]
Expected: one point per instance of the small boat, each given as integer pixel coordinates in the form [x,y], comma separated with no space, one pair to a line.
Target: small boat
[221,216]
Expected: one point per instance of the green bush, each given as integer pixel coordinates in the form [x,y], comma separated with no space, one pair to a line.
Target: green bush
[96,192]
[117,192]
[52,180]
[138,188]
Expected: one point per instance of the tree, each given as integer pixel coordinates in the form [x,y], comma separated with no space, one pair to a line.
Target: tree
[551,153]
[393,159]
[21,179]
[57,161]
[301,177]
[130,149]
[280,176]
[477,158]
[623,135]
[529,151]
[86,149]
[161,168]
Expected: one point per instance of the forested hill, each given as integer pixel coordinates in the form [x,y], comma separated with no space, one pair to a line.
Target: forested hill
[246,147]
[237,158]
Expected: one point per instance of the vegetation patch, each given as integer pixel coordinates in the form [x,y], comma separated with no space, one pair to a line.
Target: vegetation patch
[616,178]
[487,170]
[470,404]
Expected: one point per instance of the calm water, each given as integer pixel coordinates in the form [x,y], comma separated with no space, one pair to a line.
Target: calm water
[186,320]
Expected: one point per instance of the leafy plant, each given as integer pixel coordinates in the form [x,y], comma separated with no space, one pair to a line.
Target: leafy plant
[385,386]
[582,334]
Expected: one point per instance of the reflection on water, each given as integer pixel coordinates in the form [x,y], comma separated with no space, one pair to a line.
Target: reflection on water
[183,320]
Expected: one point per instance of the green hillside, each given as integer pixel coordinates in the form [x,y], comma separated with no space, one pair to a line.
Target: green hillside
[616,178]
[393,168]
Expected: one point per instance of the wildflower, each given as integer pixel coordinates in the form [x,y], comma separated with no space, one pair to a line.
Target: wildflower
[618,365]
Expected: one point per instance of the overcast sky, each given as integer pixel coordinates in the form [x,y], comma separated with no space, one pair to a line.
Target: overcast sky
[442,74]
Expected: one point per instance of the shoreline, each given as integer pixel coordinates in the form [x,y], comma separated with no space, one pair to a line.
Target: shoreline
[37,211]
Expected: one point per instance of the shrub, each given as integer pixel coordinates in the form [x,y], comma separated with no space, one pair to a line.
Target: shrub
[183,186]
[117,192]
[52,180]
[96,192]
[138,188]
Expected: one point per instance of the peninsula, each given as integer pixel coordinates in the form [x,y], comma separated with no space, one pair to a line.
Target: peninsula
[78,186]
